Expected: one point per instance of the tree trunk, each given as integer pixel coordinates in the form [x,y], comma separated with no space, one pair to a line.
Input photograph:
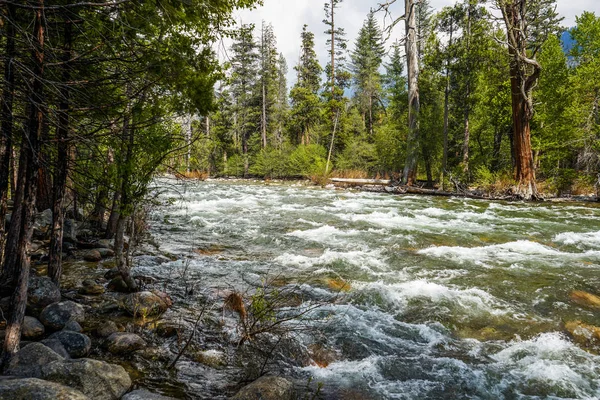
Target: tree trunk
[467,136]
[447,108]
[120,256]
[495,166]
[410,168]
[7,122]
[31,145]
[62,163]
[111,225]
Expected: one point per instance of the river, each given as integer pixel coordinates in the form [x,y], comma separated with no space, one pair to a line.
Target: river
[448,298]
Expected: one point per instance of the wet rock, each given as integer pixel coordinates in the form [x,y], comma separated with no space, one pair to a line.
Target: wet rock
[91,288]
[105,243]
[124,343]
[42,292]
[583,334]
[92,256]
[70,231]
[105,253]
[585,299]
[106,329]
[211,358]
[155,354]
[73,326]
[37,389]
[32,328]
[98,380]
[28,361]
[321,355]
[112,273]
[56,315]
[141,394]
[167,329]
[144,304]
[56,346]
[77,344]
[266,388]
[117,284]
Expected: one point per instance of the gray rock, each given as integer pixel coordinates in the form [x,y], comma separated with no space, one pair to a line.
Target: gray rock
[73,326]
[104,252]
[37,389]
[32,328]
[92,256]
[28,362]
[56,315]
[56,346]
[96,379]
[106,329]
[141,394]
[105,243]
[77,344]
[112,273]
[124,343]
[266,388]
[70,231]
[42,292]
[91,288]
[144,304]
[117,284]
[44,218]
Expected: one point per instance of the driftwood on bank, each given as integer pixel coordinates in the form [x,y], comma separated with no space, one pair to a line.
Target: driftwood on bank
[386,185]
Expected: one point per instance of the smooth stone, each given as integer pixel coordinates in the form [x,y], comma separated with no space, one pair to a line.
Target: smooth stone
[166,330]
[583,334]
[91,289]
[211,358]
[77,344]
[43,218]
[28,361]
[124,343]
[105,243]
[32,328]
[145,304]
[105,253]
[141,394]
[57,315]
[37,389]
[112,273]
[106,329]
[73,326]
[42,292]
[56,346]
[117,284]
[92,256]
[70,231]
[98,380]
[266,388]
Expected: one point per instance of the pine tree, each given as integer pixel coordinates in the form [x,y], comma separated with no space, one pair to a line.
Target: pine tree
[367,58]
[268,79]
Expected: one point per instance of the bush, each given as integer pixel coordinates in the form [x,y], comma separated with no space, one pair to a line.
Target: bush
[308,160]
[271,163]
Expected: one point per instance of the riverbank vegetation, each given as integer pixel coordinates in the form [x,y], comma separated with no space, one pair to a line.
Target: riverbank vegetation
[351,116]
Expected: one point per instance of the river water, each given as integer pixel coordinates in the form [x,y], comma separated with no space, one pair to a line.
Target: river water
[448,298]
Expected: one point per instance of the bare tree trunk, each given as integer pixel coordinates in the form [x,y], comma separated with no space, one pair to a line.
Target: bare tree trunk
[32,147]
[467,136]
[447,108]
[111,225]
[62,163]
[7,122]
[412,56]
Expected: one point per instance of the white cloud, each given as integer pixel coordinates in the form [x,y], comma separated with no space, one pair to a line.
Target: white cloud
[289,16]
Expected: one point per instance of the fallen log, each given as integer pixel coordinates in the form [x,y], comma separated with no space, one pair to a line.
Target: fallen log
[361,181]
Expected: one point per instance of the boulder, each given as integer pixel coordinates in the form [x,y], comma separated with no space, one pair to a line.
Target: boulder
[92,256]
[73,326]
[105,243]
[584,334]
[32,328]
[144,304]
[106,329]
[141,394]
[105,253]
[266,388]
[124,343]
[55,316]
[77,344]
[167,329]
[211,358]
[42,292]
[585,299]
[91,288]
[117,284]
[28,361]
[70,231]
[44,218]
[98,380]
[37,389]
[57,346]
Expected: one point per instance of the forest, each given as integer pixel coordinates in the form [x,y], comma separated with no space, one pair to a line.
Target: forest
[101,97]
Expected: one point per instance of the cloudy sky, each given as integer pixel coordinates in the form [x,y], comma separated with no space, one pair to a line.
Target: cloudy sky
[288,17]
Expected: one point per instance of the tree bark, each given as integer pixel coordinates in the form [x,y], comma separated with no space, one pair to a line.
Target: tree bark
[412,55]
[447,108]
[111,225]
[31,145]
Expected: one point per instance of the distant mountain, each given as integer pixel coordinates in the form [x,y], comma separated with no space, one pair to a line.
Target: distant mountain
[567,41]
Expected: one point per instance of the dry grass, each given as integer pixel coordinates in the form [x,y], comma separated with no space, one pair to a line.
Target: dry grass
[195,174]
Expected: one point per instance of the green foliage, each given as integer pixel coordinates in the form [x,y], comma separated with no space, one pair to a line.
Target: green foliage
[308,160]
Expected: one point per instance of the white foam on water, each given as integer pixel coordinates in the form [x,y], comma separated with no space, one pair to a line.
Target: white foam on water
[506,253]
[581,240]
[345,373]
[323,233]
[366,260]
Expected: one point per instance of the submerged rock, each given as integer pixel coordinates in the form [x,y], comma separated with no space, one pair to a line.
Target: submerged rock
[77,344]
[583,334]
[141,394]
[28,361]
[167,329]
[32,328]
[585,299]
[106,329]
[117,284]
[91,288]
[42,292]
[57,315]
[123,343]
[144,304]
[37,389]
[104,252]
[266,388]
[98,380]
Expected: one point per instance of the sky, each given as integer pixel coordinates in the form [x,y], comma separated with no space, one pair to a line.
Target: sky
[288,17]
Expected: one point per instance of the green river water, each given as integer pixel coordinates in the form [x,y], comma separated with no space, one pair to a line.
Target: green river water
[449,298]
